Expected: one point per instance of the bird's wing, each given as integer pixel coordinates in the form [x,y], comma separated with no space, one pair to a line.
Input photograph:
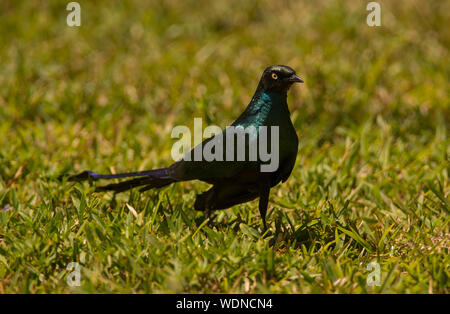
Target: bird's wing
[254,115]
[215,169]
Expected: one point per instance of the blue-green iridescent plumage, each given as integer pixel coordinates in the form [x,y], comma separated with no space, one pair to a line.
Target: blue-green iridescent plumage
[267,108]
[234,182]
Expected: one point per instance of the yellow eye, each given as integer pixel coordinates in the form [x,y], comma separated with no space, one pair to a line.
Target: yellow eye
[274,76]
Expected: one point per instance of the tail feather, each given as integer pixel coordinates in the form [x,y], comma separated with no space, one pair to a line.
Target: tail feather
[149,179]
[90,175]
[149,182]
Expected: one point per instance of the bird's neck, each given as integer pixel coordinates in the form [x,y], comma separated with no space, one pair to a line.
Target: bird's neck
[273,100]
[266,107]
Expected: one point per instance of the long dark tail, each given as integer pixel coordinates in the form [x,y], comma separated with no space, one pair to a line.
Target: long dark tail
[148,179]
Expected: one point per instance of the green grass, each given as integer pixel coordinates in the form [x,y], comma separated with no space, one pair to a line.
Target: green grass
[371,182]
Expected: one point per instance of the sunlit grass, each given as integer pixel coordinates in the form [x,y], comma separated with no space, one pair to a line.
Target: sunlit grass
[371,182]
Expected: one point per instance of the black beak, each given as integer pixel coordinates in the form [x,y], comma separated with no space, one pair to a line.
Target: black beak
[295,79]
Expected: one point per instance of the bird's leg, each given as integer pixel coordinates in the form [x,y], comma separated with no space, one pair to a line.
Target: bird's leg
[113,203]
[264,190]
[209,203]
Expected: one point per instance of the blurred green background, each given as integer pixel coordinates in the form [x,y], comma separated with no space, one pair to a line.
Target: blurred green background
[371,180]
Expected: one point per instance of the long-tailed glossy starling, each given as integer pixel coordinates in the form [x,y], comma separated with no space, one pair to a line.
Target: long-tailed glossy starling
[241,180]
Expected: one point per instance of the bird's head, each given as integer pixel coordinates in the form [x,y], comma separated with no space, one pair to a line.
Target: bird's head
[279,78]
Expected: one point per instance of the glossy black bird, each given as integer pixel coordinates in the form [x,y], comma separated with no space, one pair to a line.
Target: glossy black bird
[234,182]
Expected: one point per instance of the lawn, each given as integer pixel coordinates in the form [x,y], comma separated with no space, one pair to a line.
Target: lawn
[371,181]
